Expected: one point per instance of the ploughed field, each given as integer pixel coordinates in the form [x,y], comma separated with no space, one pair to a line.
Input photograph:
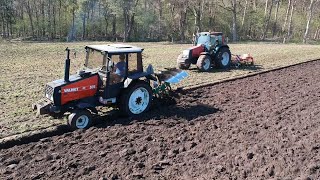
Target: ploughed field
[26,67]
[259,127]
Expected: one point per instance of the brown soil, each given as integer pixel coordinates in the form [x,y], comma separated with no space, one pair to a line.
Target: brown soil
[260,127]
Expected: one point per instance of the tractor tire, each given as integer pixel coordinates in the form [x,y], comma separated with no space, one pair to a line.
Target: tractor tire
[136,99]
[80,119]
[204,63]
[223,58]
[183,66]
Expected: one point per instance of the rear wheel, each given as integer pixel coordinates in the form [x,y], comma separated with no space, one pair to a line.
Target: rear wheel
[223,58]
[204,63]
[136,99]
[80,119]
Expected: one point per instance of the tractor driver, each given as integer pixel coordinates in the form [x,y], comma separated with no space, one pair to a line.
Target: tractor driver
[121,66]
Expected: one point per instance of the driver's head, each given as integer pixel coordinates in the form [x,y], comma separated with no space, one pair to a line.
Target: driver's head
[122,57]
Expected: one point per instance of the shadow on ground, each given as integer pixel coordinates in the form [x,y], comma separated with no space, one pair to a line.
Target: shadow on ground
[186,112]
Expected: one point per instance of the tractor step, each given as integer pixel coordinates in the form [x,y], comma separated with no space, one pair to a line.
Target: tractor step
[42,106]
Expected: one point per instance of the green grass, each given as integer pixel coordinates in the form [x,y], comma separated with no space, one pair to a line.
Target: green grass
[26,67]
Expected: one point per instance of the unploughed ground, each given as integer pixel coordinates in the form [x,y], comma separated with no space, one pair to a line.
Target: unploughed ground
[260,127]
[26,67]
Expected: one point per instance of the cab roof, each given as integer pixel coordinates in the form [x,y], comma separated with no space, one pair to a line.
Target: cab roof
[116,48]
[210,33]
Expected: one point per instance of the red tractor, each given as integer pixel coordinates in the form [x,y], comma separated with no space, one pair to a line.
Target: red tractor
[210,50]
[113,75]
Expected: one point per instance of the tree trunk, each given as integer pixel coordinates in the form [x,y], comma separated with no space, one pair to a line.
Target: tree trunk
[60,23]
[160,21]
[54,22]
[267,20]
[73,24]
[183,21]
[8,31]
[30,18]
[254,5]
[3,24]
[234,21]
[114,30]
[129,18]
[289,33]
[125,16]
[38,33]
[101,27]
[244,14]
[11,28]
[49,21]
[211,15]
[83,26]
[87,24]
[274,29]
[43,18]
[287,15]
[266,8]
[316,33]
[131,26]
[310,13]
[197,16]
[106,18]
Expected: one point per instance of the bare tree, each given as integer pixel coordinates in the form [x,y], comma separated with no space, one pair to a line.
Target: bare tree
[289,31]
[29,12]
[232,8]
[266,8]
[183,19]
[287,15]
[244,13]
[310,13]
[197,9]
[129,8]
[267,20]
[274,29]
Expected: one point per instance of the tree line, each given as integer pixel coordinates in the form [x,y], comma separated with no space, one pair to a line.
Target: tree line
[160,20]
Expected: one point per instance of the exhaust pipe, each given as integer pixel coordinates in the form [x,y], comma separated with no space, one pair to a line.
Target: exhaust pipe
[67,66]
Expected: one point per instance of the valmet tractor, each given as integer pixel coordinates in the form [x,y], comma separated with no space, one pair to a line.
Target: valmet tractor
[210,50]
[113,75]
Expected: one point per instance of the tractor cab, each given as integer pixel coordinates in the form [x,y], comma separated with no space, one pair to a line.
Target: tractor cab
[116,65]
[210,39]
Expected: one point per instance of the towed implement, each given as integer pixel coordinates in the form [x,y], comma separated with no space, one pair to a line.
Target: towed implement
[113,75]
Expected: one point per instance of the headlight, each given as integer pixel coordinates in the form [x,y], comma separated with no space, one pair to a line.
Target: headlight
[185,53]
[49,92]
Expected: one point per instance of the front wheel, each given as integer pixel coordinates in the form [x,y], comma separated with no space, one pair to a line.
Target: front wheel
[223,58]
[182,62]
[204,63]
[80,119]
[183,66]
[136,99]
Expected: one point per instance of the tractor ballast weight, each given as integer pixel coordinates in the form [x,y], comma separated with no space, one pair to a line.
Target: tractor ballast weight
[210,49]
[113,75]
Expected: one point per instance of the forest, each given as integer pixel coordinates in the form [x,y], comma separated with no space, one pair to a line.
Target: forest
[282,21]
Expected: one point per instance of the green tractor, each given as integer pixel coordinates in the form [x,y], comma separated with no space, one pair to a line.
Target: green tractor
[210,49]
